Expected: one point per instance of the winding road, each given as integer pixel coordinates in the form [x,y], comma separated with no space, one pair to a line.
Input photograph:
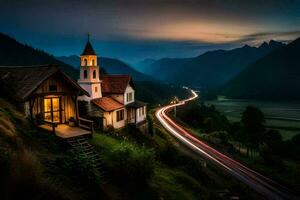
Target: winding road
[261,184]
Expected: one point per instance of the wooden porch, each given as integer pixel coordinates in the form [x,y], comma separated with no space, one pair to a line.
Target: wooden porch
[85,127]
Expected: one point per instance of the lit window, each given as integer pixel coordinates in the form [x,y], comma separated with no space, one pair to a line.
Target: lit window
[96,89]
[93,62]
[120,115]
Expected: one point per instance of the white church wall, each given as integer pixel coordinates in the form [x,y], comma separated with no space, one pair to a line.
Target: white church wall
[110,119]
[128,90]
[141,114]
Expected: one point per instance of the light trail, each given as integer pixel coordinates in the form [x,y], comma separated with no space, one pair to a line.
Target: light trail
[263,185]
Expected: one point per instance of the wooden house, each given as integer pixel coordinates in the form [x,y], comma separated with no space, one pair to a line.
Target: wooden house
[47,96]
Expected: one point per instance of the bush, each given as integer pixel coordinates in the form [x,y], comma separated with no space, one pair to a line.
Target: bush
[135,163]
[79,167]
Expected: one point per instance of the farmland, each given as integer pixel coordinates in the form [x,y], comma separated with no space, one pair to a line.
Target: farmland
[283,116]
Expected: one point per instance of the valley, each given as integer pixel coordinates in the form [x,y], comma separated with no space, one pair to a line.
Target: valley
[282,116]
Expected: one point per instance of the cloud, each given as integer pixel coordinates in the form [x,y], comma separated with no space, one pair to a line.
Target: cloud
[257,38]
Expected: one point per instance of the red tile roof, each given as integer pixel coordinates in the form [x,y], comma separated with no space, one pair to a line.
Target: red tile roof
[107,103]
[115,84]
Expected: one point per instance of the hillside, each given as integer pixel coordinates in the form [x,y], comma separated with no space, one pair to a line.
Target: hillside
[14,53]
[110,65]
[35,165]
[210,69]
[275,76]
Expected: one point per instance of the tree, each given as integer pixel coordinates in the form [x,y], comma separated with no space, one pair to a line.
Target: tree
[253,127]
[273,139]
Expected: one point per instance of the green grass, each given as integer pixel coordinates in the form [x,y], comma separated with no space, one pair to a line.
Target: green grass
[169,183]
[35,165]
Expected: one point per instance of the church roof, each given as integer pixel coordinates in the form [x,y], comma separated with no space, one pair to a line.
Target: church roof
[88,50]
[115,84]
[22,81]
[107,103]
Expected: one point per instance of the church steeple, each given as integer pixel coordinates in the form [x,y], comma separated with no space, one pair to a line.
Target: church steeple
[88,56]
[88,50]
[89,71]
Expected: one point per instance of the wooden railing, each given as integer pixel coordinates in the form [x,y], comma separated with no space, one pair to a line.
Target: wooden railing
[52,124]
[86,124]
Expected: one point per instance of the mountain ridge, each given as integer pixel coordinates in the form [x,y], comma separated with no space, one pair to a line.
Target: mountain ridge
[210,69]
[15,53]
[277,76]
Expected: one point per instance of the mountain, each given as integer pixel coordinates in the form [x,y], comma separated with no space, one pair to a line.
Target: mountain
[110,65]
[14,53]
[143,64]
[275,76]
[211,69]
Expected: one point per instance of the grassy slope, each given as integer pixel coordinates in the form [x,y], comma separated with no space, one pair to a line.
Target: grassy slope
[29,164]
[33,164]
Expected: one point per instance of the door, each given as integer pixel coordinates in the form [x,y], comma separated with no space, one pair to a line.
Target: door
[52,109]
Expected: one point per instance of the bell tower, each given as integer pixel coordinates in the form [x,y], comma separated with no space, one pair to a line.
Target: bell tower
[89,73]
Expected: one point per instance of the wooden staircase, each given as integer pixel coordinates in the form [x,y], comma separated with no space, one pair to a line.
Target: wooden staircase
[85,150]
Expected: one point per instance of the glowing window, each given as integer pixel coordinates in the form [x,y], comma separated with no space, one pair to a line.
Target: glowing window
[52,109]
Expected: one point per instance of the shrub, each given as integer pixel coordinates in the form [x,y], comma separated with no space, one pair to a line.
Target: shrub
[135,163]
[79,167]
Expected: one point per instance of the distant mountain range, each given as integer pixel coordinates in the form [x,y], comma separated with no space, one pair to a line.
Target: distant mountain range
[14,53]
[211,69]
[273,77]
[143,64]
[110,65]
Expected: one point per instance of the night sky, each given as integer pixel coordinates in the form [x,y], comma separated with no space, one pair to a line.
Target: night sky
[136,29]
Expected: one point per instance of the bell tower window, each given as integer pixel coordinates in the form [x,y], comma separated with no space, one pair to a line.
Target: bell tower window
[94,74]
[93,62]
[85,62]
[85,74]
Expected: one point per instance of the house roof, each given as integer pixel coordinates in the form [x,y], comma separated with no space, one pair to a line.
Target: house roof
[107,103]
[22,81]
[136,104]
[115,84]
[88,50]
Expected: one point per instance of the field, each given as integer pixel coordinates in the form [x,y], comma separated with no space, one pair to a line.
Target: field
[283,116]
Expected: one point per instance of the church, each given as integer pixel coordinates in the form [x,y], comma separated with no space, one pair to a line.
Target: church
[111,97]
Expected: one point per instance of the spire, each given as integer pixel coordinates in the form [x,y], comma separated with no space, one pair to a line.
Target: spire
[88,50]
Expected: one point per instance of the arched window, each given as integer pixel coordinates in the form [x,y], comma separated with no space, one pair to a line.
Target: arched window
[85,74]
[94,74]
[85,62]
[93,62]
